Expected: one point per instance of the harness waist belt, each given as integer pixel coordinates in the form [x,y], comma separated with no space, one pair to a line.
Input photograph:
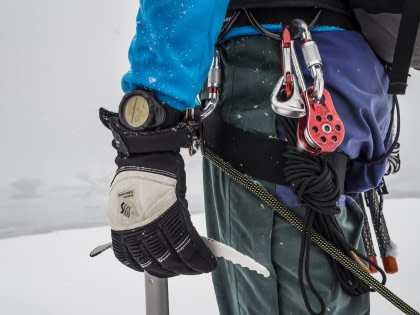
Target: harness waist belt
[257,155]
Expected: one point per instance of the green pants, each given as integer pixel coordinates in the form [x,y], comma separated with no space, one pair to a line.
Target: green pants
[251,67]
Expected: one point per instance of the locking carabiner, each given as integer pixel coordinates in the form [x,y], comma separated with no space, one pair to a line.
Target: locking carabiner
[285,98]
[214,81]
[311,55]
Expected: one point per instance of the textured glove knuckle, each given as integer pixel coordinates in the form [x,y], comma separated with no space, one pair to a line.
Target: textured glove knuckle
[137,198]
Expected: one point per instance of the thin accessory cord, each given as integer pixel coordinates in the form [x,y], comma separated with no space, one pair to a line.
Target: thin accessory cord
[314,184]
[395,144]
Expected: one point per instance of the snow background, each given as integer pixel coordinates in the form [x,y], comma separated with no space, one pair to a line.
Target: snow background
[60,61]
[51,274]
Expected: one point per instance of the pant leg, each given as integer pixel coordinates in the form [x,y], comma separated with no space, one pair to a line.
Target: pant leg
[240,220]
[286,244]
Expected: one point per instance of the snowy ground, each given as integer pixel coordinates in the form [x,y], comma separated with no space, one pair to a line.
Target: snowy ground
[53,274]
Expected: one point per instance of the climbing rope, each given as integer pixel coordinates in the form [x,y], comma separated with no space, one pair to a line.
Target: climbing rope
[351,265]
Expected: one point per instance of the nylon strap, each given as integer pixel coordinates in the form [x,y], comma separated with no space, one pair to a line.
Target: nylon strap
[404,47]
[279,208]
[257,155]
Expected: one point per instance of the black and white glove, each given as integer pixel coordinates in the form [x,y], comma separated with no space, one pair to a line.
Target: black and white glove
[148,213]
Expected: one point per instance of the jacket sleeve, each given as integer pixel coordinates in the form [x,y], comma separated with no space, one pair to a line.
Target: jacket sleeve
[173,46]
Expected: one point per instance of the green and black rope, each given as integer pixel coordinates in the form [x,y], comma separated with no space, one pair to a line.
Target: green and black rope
[260,192]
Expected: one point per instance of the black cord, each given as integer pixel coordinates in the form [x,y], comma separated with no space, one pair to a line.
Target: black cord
[315,19]
[391,124]
[261,29]
[396,105]
[274,36]
[315,185]
[394,161]
[227,27]
[289,128]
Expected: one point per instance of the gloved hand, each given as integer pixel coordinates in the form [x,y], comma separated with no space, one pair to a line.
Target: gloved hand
[148,213]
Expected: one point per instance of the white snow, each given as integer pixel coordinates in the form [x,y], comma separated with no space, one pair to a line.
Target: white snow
[50,274]
[152,79]
[393,250]
[53,273]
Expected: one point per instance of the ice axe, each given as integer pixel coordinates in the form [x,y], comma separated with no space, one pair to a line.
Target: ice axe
[157,300]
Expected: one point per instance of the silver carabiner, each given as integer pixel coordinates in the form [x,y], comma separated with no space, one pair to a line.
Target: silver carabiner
[318,84]
[293,107]
[296,67]
[285,98]
[214,81]
[311,55]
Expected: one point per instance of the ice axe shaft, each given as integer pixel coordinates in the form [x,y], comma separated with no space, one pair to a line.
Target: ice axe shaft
[157,298]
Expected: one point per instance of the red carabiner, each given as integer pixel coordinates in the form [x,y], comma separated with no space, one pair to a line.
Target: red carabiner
[286,44]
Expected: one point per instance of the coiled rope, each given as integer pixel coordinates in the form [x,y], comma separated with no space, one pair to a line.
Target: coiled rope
[314,184]
[335,253]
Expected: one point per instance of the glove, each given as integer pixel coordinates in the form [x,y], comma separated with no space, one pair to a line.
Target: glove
[150,224]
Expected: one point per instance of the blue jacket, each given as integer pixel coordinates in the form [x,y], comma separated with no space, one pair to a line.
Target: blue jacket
[172,51]
[173,47]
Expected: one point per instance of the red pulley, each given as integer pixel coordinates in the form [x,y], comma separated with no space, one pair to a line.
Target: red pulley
[321,130]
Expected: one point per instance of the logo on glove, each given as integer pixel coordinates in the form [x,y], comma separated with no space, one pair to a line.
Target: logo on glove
[126,205]
[125,210]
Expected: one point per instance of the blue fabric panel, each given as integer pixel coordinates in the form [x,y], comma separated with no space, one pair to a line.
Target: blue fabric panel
[173,47]
[285,195]
[357,82]
[358,85]
[274,28]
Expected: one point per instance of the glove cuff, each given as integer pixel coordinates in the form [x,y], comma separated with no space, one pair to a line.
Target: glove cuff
[129,142]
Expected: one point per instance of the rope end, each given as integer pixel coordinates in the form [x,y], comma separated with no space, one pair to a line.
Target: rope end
[390,264]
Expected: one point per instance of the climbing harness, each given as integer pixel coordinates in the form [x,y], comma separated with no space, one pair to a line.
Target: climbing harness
[313,179]
[347,260]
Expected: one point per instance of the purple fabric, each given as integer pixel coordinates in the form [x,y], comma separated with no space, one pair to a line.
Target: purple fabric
[358,85]
[286,196]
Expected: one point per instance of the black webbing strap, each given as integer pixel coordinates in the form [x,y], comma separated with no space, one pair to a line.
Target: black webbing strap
[407,34]
[257,155]
[131,142]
